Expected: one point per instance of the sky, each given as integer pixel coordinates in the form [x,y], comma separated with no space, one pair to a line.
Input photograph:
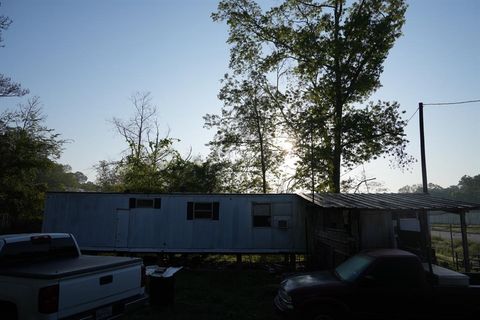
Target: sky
[84,59]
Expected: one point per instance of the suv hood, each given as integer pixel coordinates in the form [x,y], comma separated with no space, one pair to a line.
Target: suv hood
[308,281]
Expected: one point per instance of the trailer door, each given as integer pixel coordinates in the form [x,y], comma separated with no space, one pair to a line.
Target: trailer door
[121,236]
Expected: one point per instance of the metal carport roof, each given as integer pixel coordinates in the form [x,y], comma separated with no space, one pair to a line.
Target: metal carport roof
[389,201]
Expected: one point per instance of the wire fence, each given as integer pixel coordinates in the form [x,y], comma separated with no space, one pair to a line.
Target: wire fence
[472,218]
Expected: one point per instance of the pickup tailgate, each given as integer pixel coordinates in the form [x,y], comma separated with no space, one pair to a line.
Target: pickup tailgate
[98,289]
[66,284]
[104,280]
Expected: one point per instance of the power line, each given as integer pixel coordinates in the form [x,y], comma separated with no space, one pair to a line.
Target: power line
[350,170]
[451,103]
[411,117]
[441,104]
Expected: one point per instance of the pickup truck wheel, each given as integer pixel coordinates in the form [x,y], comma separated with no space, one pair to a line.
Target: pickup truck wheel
[8,311]
[321,313]
[323,317]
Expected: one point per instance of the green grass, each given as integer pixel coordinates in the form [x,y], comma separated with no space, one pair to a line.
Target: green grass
[214,261]
[443,250]
[443,247]
[218,294]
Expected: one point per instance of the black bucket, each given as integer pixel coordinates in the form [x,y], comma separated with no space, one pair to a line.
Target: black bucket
[161,290]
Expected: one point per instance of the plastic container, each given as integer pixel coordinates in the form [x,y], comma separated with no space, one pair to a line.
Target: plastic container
[161,284]
[161,290]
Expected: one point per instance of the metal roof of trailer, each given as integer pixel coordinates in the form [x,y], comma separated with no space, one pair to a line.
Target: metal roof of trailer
[181,194]
[389,201]
[363,201]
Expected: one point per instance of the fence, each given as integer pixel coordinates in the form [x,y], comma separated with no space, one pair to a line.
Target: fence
[472,217]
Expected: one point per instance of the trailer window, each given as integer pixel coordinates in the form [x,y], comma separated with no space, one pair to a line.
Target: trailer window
[261,215]
[203,210]
[147,203]
[144,203]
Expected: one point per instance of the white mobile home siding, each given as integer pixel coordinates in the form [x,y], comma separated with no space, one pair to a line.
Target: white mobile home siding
[105,221]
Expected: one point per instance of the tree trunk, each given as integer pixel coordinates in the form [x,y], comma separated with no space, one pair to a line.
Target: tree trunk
[264,169]
[262,151]
[337,161]
[337,139]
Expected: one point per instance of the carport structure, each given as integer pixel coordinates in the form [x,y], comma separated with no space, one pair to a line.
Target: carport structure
[339,225]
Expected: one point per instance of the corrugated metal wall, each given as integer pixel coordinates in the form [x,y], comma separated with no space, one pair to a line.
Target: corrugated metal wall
[376,230]
[106,222]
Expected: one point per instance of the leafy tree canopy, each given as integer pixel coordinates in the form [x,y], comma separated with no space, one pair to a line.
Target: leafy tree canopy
[247,132]
[324,60]
[59,177]
[8,88]
[27,149]
[148,153]
[150,163]
[467,189]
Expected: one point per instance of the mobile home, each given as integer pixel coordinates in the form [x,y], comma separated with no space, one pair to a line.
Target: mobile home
[179,223]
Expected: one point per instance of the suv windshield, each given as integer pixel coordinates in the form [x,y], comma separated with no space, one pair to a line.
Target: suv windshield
[353,267]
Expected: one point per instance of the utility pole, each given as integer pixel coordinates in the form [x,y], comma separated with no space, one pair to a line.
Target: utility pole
[424,214]
[422,149]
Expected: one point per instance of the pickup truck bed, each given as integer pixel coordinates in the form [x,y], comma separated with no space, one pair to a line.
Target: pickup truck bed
[67,267]
[45,276]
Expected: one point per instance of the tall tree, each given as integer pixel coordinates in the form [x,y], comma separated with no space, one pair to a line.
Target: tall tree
[193,175]
[148,152]
[247,130]
[8,88]
[333,57]
[108,178]
[27,148]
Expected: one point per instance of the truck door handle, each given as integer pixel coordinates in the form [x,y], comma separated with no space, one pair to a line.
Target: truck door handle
[106,280]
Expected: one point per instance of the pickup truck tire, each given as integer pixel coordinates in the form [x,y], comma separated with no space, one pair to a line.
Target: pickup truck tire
[8,310]
[321,312]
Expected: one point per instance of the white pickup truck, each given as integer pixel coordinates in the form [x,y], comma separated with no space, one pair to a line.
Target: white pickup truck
[45,276]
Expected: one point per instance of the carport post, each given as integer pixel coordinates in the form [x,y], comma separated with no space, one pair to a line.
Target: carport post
[425,230]
[239,260]
[293,261]
[466,255]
